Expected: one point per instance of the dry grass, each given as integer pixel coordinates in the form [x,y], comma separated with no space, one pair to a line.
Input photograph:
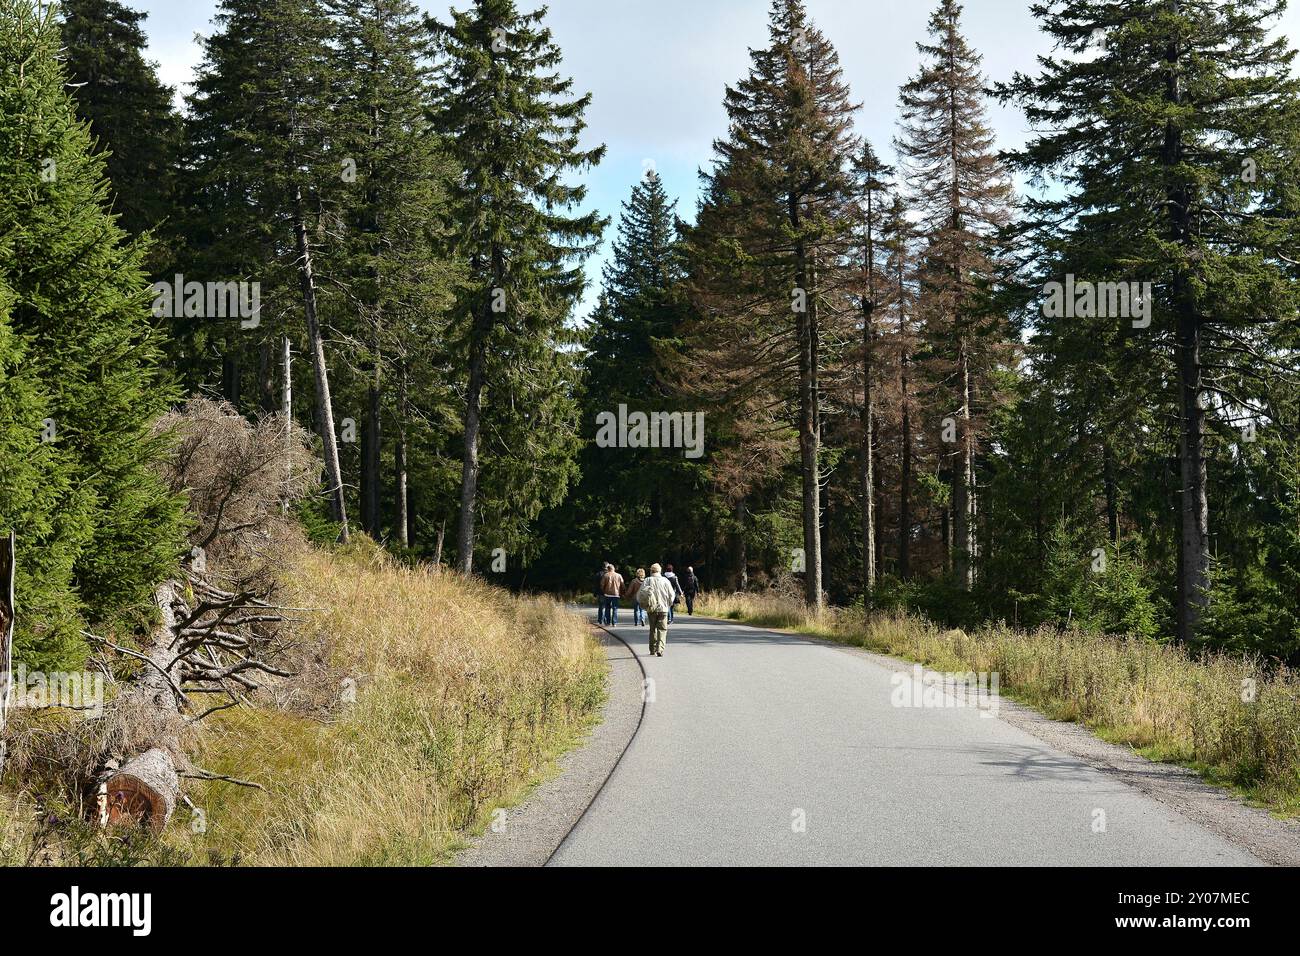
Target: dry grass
[464,696]
[1151,696]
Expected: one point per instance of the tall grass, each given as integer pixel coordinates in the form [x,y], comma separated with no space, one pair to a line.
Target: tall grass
[425,701]
[1235,721]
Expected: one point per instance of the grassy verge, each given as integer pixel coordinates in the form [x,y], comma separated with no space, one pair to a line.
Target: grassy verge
[423,702]
[1228,718]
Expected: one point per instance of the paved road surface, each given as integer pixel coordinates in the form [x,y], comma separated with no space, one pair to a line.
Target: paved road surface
[751,731]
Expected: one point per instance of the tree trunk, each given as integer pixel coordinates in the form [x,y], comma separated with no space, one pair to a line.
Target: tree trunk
[8,614]
[905,482]
[473,423]
[809,450]
[230,378]
[740,559]
[401,505]
[370,467]
[325,408]
[867,457]
[963,530]
[1112,493]
[286,411]
[144,790]
[1194,537]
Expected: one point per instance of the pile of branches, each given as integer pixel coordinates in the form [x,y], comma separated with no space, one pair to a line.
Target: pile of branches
[221,634]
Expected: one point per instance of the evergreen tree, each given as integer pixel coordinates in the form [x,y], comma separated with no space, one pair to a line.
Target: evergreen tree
[513,127]
[1174,130]
[131,116]
[664,501]
[391,257]
[770,252]
[873,208]
[961,194]
[81,383]
[266,187]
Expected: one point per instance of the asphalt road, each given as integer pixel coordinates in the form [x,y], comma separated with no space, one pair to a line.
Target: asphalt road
[760,748]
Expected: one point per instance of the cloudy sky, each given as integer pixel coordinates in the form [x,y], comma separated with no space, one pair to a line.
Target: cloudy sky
[657,69]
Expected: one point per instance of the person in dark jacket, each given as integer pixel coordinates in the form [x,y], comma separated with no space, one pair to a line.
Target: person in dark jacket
[677,589]
[690,588]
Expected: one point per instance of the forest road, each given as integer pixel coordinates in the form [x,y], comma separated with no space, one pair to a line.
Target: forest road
[766,748]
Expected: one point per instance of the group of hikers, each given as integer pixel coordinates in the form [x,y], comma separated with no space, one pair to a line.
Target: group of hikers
[653,598]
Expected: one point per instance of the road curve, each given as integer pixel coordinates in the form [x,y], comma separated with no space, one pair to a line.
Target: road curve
[763,748]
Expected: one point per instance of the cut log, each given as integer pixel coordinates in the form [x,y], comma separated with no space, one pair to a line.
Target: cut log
[143,792]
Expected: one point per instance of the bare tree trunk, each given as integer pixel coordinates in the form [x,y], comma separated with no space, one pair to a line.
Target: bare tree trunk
[325,408]
[905,481]
[437,551]
[809,450]
[370,467]
[1194,583]
[740,559]
[286,411]
[470,464]
[963,531]
[401,504]
[867,460]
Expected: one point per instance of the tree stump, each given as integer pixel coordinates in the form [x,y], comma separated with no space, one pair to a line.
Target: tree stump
[143,792]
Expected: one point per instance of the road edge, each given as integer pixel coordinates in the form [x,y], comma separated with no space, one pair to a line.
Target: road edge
[530,834]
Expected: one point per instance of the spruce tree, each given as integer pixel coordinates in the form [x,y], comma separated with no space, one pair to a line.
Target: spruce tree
[772,244]
[81,384]
[391,257]
[266,185]
[131,117]
[1174,141]
[961,194]
[513,127]
[873,206]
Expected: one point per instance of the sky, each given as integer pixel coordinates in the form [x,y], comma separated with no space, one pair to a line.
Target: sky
[657,70]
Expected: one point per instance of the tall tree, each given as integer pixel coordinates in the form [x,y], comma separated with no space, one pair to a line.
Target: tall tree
[81,366]
[772,253]
[266,181]
[390,258]
[131,116]
[872,203]
[1173,130]
[962,195]
[514,128]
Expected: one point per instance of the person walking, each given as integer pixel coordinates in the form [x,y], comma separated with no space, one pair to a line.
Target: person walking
[690,588]
[633,588]
[611,586]
[656,596]
[671,577]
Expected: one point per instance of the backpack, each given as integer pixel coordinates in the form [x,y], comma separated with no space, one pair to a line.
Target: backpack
[654,599]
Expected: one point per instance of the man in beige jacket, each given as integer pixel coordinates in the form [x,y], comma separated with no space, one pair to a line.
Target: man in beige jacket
[656,596]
